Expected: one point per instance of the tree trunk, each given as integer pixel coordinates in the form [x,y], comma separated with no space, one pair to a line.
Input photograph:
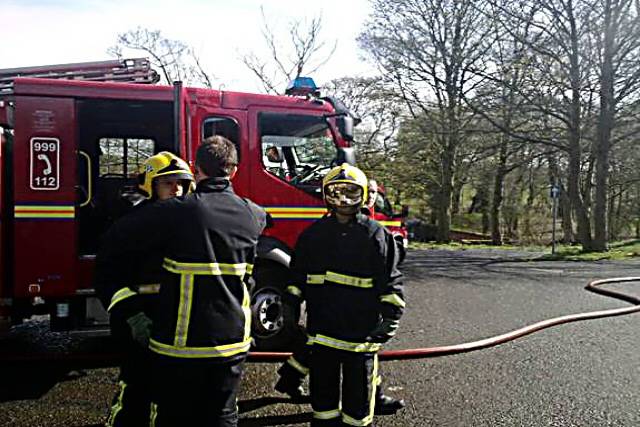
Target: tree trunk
[605,125]
[498,190]
[573,188]
[446,186]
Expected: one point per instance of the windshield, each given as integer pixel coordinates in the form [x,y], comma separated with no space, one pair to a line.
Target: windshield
[297,148]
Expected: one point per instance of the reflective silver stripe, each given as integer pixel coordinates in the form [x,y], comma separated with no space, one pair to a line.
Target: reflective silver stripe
[326,415]
[120,295]
[148,289]
[210,269]
[226,350]
[246,309]
[365,347]
[298,366]
[315,279]
[342,279]
[184,310]
[294,290]
[393,299]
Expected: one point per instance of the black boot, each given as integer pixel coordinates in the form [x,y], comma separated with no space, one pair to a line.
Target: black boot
[386,405]
[290,383]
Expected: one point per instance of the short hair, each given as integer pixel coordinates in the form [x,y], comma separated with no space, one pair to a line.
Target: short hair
[216,156]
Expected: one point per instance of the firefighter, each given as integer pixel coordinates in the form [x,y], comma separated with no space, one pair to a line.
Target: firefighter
[161,177]
[345,268]
[200,333]
[296,368]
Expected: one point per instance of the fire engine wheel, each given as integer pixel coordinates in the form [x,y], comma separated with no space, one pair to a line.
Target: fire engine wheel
[274,324]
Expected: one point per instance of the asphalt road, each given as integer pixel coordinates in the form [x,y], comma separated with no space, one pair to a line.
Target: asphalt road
[579,374]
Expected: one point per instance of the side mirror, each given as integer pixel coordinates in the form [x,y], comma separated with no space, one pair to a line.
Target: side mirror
[345,127]
[346,155]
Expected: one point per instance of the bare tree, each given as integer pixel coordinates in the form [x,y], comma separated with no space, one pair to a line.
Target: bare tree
[428,49]
[304,51]
[175,59]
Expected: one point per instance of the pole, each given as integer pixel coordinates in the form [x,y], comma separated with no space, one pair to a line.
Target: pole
[554,209]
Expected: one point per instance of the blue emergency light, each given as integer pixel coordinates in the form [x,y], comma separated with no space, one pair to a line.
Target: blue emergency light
[302,86]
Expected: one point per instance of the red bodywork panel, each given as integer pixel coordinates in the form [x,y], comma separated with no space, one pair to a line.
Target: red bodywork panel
[46,261]
[44,175]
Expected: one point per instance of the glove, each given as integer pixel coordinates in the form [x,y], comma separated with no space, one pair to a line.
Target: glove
[140,326]
[384,331]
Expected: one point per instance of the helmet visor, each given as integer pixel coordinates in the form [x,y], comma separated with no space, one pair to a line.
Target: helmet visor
[343,194]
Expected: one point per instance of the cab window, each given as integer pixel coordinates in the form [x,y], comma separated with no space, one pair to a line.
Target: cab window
[296,148]
[222,126]
[124,156]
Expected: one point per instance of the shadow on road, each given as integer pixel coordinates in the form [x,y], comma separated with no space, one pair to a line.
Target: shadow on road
[30,381]
[276,420]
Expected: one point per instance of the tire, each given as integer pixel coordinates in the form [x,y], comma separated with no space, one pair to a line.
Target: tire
[274,324]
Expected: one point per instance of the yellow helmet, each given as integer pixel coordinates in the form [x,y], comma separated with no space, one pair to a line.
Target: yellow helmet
[162,164]
[339,184]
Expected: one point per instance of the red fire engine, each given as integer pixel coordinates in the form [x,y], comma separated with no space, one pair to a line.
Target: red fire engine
[73,137]
[394,222]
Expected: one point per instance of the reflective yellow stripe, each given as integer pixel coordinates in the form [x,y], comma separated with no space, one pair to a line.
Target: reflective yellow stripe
[343,279]
[148,289]
[153,415]
[315,279]
[365,347]
[326,415]
[210,269]
[372,401]
[43,211]
[279,212]
[226,350]
[184,310]
[120,295]
[246,309]
[298,366]
[294,290]
[393,299]
[391,223]
[117,406]
[249,268]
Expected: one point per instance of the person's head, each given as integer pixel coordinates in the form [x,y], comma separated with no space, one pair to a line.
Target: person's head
[345,190]
[373,193]
[164,176]
[273,155]
[216,157]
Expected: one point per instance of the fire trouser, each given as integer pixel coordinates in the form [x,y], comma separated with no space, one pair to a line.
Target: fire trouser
[193,392]
[132,401]
[296,368]
[358,371]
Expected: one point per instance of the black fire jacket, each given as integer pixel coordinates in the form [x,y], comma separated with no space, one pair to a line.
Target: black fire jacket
[208,244]
[348,275]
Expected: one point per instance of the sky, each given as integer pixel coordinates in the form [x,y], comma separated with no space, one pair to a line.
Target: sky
[40,32]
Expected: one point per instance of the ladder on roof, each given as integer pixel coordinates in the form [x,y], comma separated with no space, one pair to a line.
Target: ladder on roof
[136,70]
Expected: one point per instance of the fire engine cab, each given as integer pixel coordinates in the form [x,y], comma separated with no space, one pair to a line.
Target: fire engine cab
[73,138]
[393,221]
